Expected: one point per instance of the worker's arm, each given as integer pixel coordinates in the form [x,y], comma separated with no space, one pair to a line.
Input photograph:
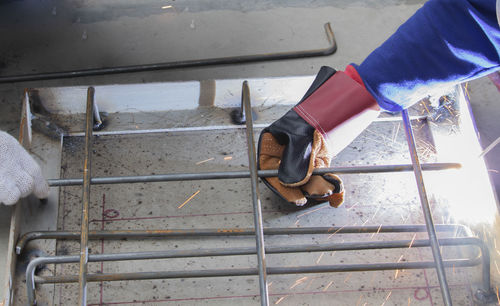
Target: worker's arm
[444,43]
[20,175]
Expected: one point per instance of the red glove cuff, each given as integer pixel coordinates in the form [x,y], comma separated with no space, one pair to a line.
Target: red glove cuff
[353,73]
[338,99]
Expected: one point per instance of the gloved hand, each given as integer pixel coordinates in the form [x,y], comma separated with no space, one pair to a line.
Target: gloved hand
[20,175]
[299,142]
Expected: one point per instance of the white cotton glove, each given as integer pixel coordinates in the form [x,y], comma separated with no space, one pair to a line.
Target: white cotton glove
[20,175]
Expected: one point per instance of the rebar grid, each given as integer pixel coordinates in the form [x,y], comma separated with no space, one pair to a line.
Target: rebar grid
[82,278]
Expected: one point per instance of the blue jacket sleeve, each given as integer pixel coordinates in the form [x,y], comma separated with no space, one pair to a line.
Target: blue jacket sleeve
[445,42]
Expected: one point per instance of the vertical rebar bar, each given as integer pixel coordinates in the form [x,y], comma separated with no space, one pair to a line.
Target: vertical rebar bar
[257,210]
[445,290]
[84,238]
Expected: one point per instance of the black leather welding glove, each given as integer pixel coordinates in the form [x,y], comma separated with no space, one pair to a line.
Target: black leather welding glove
[298,142]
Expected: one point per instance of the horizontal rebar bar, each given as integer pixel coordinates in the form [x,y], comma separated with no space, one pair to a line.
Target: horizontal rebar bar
[30,280]
[244,174]
[171,233]
[253,271]
[205,128]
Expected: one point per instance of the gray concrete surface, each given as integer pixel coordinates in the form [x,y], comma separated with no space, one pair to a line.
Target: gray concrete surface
[134,35]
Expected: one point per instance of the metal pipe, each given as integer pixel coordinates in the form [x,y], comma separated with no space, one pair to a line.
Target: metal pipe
[244,174]
[30,280]
[84,238]
[257,209]
[184,233]
[427,211]
[181,64]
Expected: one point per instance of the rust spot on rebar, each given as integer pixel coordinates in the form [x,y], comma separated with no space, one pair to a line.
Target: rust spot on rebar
[230,230]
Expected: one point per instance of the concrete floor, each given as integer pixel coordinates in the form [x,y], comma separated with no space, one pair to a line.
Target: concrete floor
[44,36]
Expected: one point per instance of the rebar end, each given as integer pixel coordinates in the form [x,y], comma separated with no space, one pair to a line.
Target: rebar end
[99,125]
[238,117]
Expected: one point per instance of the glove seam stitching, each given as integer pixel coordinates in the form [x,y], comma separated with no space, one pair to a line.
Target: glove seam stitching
[310,117]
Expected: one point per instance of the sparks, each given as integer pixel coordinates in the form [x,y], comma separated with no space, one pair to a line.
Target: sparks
[378,231]
[359,299]
[449,110]
[433,124]
[298,282]
[397,270]
[347,278]
[353,206]
[489,147]
[310,283]
[412,240]
[376,211]
[309,212]
[387,298]
[396,134]
[498,297]
[371,280]
[320,256]
[204,161]
[228,158]
[330,236]
[189,199]
[328,286]
[280,299]
[425,106]
[166,7]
